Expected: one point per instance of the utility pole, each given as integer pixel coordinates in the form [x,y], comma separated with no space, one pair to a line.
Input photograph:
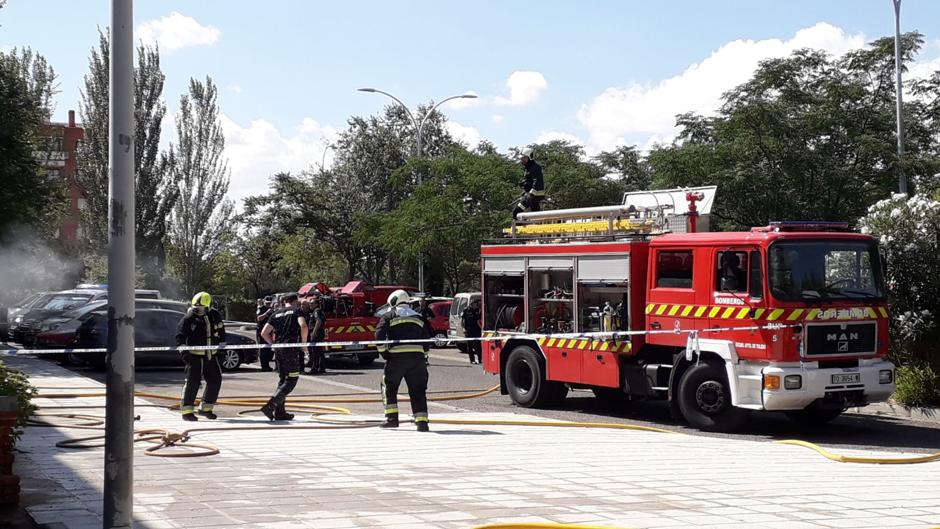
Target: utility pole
[119,418]
[902,179]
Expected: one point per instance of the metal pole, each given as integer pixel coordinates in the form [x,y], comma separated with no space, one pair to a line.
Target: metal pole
[119,421]
[421,256]
[902,179]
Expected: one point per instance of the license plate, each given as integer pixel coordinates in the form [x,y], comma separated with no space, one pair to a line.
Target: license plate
[846,378]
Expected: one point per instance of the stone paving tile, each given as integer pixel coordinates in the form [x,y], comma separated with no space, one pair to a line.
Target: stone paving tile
[419,480]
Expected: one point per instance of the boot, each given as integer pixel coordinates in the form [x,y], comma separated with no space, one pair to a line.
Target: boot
[280,414]
[190,417]
[391,421]
[208,415]
[423,426]
[268,409]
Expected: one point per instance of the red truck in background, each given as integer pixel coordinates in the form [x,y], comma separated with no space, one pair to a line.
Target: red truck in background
[350,315]
[791,317]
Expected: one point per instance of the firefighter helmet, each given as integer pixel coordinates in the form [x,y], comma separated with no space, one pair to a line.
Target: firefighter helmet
[527,152]
[398,297]
[202,299]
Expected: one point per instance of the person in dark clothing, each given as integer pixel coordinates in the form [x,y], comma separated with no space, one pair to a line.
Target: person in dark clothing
[201,325]
[262,314]
[316,322]
[471,326]
[427,314]
[404,360]
[287,325]
[533,184]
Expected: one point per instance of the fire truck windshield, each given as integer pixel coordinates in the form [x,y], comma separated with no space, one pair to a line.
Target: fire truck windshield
[825,270]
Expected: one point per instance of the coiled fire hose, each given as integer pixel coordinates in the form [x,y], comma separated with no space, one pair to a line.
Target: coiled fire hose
[163,438]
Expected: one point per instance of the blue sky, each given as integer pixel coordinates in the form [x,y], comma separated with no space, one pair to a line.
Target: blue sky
[598,72]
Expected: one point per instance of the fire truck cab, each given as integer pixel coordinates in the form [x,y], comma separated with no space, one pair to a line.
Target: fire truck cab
[790,317]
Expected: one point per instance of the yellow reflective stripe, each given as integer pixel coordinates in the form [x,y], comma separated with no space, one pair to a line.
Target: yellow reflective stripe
[714,312]
[541,341]
[687,310]
[650,307]
[371,328]
[728,312]
[605,346]
[774,314]
[673,310]
[188,411]
[871,312]
[883,311]
[293,374]
[812,314]
[391,410]
[661,309]
[407,319]
[338,330]
[700,311]
[796,314]
[743,313]
[758,313]
[406,349]
[551,342]
[582,344]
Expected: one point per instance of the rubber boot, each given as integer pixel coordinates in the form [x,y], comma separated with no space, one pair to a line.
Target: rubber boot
[208,415]
[391,421]
[423,426]
[268,409]
[191,417]
[280,413]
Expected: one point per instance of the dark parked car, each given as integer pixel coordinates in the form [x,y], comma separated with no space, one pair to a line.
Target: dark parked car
[24,327]
[152,328]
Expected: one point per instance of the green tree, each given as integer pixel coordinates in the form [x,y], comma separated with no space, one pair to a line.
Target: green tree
[808,137]
[155,191]
[571,180]
[199,228]
[27,196]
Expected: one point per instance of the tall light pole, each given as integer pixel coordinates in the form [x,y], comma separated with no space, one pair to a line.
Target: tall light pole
[902,179]
[119,394]
[419,130]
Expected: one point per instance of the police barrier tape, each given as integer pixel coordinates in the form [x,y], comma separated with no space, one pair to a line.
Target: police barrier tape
[608,335]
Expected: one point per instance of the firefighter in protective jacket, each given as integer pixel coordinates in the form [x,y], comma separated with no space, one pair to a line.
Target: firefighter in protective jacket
[404,360]
[202,325]
[533,183]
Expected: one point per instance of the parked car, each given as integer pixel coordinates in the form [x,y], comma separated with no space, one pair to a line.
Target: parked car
[455,327]
[25,326]
[154,328]
[59,331]
[238,333]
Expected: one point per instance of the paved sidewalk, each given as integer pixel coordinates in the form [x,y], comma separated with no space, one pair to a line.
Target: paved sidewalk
[463,476]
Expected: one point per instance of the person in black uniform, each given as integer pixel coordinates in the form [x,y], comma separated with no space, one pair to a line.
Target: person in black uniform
[427,314]
[262,315]
[287,325]
[533,184]
[404,360]
[201,325]
[471,326]
[317,324]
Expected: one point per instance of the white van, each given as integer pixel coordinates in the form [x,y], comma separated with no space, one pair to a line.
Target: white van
[455,329]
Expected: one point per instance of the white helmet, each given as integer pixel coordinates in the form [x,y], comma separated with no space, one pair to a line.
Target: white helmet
[398,297]
[527,152]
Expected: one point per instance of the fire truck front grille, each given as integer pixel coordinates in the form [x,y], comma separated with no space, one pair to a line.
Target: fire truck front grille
[841,339]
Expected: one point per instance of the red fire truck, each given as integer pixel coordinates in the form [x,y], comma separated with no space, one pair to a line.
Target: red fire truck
[350,315]
[796,310]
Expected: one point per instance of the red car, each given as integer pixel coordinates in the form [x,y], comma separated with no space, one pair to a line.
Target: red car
[440,322]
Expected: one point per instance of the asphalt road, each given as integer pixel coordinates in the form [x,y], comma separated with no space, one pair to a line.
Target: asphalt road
[451,372]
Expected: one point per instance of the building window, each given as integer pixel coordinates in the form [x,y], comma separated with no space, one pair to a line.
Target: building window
[674,269]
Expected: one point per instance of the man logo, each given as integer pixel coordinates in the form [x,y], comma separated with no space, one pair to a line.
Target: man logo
[843,347]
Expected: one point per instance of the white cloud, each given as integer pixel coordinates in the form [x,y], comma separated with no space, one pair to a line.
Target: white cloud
[464,134]
[457,104]
[258,151]
[177,31]
[235,89]
[635,113]
[498,118]
[553,135]
[525,87]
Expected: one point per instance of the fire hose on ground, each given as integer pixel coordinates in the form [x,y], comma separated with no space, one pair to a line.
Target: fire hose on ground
[164,438]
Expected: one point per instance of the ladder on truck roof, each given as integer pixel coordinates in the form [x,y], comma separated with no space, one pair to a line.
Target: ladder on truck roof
[641,213]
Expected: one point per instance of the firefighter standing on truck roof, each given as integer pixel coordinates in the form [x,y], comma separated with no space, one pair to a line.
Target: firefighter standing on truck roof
[201,325]
[287,325]
[404,360]
[533,184]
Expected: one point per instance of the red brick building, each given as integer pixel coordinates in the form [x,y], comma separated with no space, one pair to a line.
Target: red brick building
[60,161]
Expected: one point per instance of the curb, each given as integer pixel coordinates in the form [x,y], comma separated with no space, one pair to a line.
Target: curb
[893,409]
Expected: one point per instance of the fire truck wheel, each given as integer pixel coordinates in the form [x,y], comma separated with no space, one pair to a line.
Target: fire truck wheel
[813,416]
[526,382]
[705,399]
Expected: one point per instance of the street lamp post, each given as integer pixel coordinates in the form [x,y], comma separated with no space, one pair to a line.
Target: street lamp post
[419,130]
[902,179]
